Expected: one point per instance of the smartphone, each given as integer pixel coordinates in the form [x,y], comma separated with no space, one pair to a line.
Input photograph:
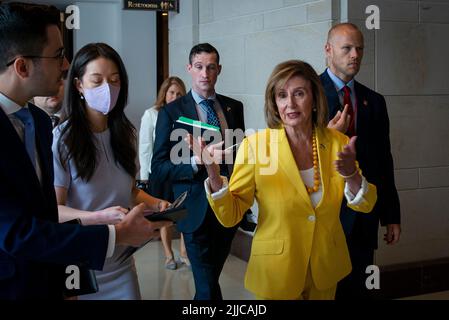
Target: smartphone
[173,215]
[174,211]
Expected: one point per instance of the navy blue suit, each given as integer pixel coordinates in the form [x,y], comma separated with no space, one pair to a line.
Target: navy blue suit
[375,160]
[207,241]
[34,247]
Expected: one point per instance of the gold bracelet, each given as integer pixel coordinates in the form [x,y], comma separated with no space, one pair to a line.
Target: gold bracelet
[351,175]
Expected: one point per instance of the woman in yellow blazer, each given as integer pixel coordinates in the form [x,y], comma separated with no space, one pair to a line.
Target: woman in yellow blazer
[298,172]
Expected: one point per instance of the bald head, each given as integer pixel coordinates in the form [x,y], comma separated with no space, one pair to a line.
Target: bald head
[343,28]
[344,50]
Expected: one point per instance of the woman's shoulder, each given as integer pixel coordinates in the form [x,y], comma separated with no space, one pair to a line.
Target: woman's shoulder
[335,135]
[150,112]
[149,116]
[267,134]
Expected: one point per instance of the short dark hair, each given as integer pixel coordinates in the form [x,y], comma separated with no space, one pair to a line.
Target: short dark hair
[23,29]
[203,47]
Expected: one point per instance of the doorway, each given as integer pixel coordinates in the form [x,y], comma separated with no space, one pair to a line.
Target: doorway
[162,47]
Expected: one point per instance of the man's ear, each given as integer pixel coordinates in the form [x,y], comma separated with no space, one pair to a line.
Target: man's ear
[188,67]
[219,69]
[22,68]
[327,48]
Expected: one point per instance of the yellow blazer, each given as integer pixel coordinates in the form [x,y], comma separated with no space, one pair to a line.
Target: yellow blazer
[291,234]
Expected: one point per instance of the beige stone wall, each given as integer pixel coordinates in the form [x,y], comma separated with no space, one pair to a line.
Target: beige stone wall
[406,60]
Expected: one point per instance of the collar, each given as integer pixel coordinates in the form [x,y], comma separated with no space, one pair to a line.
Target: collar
[198,98]
[9,106]
[338,83]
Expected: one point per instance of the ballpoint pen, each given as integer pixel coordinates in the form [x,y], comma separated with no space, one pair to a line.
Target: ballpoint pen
[234,145]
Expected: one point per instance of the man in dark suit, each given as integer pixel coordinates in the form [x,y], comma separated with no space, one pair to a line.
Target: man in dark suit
[364,115]
[34,248]
[207,241]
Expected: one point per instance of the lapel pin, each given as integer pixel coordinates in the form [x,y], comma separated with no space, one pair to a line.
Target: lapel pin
[228,109]
[365,103]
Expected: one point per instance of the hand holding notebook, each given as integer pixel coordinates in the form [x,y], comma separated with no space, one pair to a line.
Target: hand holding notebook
[174,212]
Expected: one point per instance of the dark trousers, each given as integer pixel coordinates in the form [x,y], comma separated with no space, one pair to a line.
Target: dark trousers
[207,249]
[354,285]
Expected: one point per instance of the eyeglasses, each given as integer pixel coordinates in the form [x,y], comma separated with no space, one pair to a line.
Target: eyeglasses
[60,55]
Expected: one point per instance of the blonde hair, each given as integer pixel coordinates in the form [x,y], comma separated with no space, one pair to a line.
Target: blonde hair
[160,101]
[280,75]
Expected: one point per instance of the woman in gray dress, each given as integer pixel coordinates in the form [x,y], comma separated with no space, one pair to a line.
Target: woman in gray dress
[94,153]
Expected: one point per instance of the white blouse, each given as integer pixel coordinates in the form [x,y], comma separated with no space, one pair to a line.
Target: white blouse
[147,135]
[307,177]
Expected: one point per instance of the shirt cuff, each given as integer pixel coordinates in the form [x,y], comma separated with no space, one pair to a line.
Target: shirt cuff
[220,193]
[358,198]
[111,241]
[194,165]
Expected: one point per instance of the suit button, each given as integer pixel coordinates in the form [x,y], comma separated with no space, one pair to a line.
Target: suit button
[312,218]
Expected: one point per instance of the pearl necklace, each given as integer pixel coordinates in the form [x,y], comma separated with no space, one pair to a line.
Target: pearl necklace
[316,173]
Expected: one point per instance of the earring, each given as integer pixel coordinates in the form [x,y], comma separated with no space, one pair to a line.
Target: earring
[81,96]
[314,109]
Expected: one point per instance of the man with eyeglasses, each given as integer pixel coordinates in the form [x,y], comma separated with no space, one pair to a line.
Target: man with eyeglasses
[59,56]
[34,248]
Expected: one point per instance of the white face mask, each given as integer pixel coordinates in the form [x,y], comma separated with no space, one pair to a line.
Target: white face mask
[102,98]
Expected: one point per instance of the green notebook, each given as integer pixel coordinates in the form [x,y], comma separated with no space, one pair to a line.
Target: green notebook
[196,123]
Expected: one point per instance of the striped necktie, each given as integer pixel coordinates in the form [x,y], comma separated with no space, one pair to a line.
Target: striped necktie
[207,106]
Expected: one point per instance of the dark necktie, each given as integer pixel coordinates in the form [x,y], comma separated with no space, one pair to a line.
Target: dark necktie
[29,133]
[347,101]
[212,119]
[208,107]
[54,120]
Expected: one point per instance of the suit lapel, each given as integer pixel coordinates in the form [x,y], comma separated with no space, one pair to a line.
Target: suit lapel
[17,164]
[325,163]
[363,108]
[188,107]
[331,94]
[42,145]
[288,164]
[227,111]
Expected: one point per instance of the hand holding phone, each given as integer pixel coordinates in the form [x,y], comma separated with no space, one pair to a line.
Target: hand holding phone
[174,212]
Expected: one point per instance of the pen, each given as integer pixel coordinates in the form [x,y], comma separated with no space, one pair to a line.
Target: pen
[234,145]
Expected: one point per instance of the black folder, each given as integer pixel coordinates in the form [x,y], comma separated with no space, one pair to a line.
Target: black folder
[176,211]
